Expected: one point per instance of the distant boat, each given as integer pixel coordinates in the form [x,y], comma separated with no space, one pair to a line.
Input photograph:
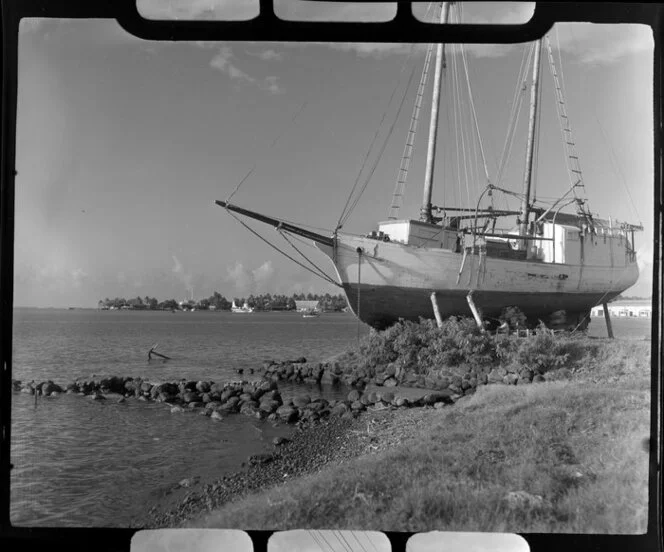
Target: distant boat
[244,309]
[311,313]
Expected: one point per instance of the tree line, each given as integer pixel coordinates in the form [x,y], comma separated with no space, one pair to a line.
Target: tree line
[263,302]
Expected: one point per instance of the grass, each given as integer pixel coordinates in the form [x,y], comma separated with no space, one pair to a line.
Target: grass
[578,447]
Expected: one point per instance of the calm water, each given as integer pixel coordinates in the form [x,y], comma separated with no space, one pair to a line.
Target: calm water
[79,462]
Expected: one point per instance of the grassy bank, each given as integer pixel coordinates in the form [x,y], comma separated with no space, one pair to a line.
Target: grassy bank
[564,455]
[580,450]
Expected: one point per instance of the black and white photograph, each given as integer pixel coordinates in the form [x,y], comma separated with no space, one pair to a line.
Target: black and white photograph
[332,289]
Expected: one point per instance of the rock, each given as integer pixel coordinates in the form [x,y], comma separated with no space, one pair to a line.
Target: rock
[496,375]
[50,387]
[196,404]
[122,400]
[510,379]
[216,416]
[249,408]
[353,396]
[278,441]
[386,396]
[339,410]
[203,386]
[438,396]
[401,401]
[288,414]
[357,406]
[302,401]
[390,382]
[538,378]
[145,387]
[176,409]
[256,459]
[97,396]
[269,406]
[439,405]
[190,396]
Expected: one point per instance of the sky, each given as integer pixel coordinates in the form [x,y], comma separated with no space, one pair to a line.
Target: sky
[123,145]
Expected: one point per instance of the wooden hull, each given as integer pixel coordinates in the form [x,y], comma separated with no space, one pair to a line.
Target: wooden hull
[396,281]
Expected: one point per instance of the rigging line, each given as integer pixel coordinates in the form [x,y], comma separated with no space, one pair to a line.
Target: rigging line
[474,113]
[380,153]
[322,273]
[274,141]
[513,118]
[375,137]
[463,134]
[616,166]
[272,245]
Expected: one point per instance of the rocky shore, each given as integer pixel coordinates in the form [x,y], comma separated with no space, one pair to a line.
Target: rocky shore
[308,450]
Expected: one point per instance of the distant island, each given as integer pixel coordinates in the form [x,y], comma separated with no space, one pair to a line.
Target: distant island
[264,302]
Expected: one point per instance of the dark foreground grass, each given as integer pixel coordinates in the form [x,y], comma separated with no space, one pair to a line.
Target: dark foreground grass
[577,450]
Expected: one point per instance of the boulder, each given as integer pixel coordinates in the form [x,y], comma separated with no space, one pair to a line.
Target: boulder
[302,401]
[256,459]
[339,409]
[438,396]
[390,382]
[190,396]
[269,406]
[357,406]
[216,416]
[353,396]
[50,387]
[278,441]
[538,378]
[386,396]
[288,414]
[203,386]
[496,375]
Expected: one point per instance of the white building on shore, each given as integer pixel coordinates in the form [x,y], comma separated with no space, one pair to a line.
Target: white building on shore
[625,309]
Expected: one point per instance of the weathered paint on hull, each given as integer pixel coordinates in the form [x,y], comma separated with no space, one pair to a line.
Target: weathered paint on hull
[381,306]
[396,281]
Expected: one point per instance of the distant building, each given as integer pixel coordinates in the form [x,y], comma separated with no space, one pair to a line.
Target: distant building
[627,309]
[302,306]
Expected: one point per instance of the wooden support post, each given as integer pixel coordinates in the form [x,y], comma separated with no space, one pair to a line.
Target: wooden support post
[436,310]
[476,312]
[607,318]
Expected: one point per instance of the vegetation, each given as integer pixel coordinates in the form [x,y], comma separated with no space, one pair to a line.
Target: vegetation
[264,302]
[424,349]
[547,442]
[571,452]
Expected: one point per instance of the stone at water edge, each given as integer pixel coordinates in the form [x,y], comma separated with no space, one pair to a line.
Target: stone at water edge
[390,382]
[260,459]
[176,409]
[278,441]
[216,416]
[353,396]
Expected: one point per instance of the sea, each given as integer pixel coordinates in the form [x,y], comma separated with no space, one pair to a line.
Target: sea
[83,463]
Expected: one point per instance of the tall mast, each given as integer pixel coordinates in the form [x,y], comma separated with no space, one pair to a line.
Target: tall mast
[530,148]
[425,211]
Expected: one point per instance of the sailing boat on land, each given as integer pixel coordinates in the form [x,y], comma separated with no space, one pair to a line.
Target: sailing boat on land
[552,265]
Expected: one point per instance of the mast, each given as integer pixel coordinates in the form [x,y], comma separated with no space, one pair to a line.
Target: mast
[530,148]
[425,211]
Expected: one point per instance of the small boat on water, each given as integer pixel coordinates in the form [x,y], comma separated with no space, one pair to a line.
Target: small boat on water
[244,309]
[554,266]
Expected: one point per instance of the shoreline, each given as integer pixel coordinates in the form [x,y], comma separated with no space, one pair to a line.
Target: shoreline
[306,452]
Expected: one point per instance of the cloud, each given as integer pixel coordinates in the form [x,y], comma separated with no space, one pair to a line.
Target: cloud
[224,62]
[603,44]
[267,55]
[246,281]
[185,277]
